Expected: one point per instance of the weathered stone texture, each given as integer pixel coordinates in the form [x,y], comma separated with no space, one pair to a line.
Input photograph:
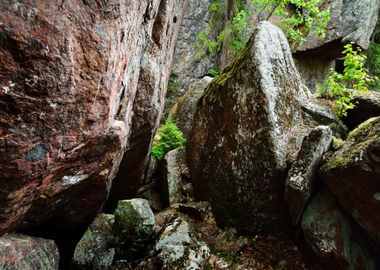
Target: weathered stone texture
[302,174]
[188,68]
[21,252]
[70,71]
[353,175]
[241,142]
[335,239]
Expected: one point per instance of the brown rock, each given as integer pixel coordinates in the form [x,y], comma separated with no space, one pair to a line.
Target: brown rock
[335,240]
[70,79]
[353,175]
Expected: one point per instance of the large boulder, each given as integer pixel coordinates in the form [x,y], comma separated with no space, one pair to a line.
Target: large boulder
[302,174]
[335,240]
[21,252]
[353,175]
[242,136]
[70,84]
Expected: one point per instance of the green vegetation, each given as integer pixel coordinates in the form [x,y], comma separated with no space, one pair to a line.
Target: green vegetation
[342,88]
[168,137]
[373,64]
[299,18]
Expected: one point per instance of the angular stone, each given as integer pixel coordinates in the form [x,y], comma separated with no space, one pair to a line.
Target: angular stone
[179,249]
[21,252]
[134,220]
[174,174]
[70,84]
[242,136]
[353,175]
[335,240]
[183,111]
[93,250]
[302,174]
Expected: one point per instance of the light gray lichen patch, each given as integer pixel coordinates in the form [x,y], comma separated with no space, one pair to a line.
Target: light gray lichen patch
[73,179]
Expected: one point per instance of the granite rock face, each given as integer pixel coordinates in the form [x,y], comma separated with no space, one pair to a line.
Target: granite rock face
[251,110]
[353,175]
[335,240]
[78,79]
[195,20]
[350,21]
[302,174]
[19,251]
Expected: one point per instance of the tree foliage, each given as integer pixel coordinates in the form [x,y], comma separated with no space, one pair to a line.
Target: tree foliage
[298,18]
[168,137]
[342,88]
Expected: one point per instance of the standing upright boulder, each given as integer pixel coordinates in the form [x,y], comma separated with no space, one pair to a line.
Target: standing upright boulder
[242,137]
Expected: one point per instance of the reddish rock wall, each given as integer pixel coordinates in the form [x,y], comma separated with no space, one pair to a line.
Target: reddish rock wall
[69,85]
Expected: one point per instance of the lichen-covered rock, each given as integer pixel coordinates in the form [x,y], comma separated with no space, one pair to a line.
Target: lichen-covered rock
[242,137]
[335,240]
[93,250]
[21,252]
[302,174]
[183,111]
[134,221]
[175,174]
[367,105]
[70,84]
[179,249]
[353,175]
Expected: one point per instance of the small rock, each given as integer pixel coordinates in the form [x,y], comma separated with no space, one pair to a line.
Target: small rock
[179,249]
[93,249]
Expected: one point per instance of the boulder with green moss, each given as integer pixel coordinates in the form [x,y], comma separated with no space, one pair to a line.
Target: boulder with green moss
[93,250]
[134,223]
[246,131]
[353,175]
[334,239]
